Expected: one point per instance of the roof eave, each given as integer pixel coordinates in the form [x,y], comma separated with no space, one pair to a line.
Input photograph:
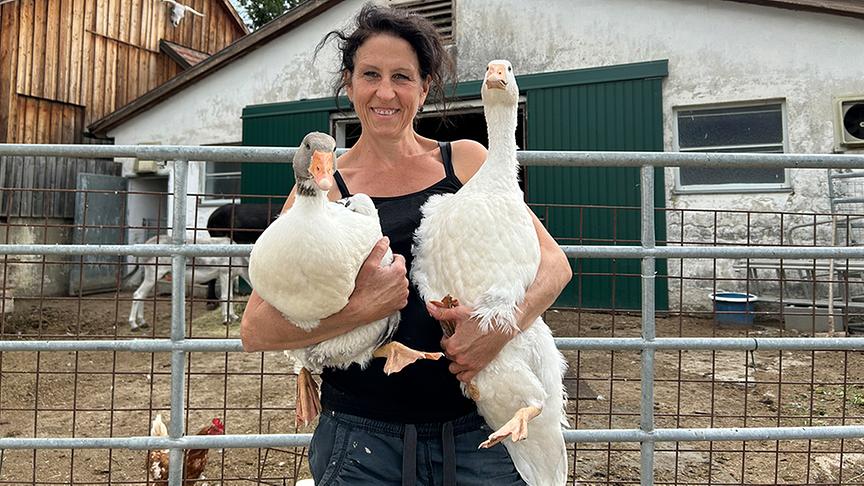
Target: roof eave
[237,49]
[825,7]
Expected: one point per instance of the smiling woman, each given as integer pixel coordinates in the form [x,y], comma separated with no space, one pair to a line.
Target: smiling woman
[392,63]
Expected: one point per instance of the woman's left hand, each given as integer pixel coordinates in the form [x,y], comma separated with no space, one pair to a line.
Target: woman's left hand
[469,349]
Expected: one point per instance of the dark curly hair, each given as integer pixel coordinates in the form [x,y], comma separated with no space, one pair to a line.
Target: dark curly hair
[435,62]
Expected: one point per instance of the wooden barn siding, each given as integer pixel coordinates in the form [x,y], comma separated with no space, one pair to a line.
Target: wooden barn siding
[45,184]
[92,55]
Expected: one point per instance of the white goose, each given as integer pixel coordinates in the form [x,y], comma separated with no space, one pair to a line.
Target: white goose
[480,246]
[305,264]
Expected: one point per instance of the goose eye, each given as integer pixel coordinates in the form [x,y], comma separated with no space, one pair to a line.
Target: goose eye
[308,146]
[509,68]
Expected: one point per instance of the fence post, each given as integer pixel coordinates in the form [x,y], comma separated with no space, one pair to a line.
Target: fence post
[178,322]
[646,422]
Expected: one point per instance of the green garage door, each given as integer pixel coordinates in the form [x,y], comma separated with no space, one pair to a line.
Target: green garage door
[601,109]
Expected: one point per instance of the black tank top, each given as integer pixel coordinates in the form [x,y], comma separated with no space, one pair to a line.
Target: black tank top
[424,391]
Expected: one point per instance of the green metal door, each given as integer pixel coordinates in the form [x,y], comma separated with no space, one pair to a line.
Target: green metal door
[278,125]
[598,206]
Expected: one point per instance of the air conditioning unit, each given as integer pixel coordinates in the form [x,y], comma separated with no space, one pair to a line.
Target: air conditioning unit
[147,167]
[849,123]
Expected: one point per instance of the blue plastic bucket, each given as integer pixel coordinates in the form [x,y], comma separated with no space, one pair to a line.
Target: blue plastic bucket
[734,308]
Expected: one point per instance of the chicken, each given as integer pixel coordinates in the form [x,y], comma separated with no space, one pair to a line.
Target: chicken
[194,460]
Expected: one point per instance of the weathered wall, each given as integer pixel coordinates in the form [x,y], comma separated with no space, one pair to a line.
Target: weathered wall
[26,274]
[718,52]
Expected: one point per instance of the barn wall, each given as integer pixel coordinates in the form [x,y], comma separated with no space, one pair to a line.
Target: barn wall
[91,57]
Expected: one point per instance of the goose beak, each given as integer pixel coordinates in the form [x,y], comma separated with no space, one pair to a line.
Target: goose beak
[322,169]
[496,76]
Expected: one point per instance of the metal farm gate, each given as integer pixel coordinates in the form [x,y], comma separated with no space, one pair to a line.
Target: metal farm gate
[648,435]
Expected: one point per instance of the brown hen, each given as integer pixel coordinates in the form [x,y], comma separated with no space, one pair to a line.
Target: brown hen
[194,460]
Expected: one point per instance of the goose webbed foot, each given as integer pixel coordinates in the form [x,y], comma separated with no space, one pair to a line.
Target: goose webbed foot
[399,356]
[308,404]
[516,428]
[448,302]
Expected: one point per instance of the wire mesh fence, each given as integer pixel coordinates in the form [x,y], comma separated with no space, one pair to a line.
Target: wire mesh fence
[758,393]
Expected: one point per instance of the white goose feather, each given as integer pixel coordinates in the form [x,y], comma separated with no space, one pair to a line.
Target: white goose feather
[305,264]
[480,246]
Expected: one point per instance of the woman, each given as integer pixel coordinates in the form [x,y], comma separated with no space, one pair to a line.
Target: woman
[415,424]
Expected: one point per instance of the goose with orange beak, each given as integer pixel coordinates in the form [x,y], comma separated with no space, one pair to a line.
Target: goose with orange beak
[305,264]
[479,247]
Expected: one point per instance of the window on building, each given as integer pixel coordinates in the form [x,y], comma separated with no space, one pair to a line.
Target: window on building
[754,128]
[222,180]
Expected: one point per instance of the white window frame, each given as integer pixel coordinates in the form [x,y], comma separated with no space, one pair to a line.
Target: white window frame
[785,186]
[207,201]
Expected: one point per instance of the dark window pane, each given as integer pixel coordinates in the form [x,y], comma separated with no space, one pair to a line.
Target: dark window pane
[710,176]
[219,167]
[730,126]
[223,179]
[227,185]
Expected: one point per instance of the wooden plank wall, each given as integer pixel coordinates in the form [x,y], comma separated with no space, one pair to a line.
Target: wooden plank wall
[44,186]
[71,62]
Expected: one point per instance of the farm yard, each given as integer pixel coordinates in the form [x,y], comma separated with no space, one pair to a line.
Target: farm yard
[115,394]
[696,197]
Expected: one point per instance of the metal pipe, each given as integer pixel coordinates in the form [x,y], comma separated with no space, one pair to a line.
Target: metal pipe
[646,400]
[140,250]
[525,157]
[177,426]
[573,251]
[571,436]
[564,344]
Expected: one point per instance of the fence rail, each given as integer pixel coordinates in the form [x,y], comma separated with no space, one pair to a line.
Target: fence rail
[647,435]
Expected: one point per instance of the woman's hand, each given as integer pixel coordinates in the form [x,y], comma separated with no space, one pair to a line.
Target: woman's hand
[378,291]
[468,349]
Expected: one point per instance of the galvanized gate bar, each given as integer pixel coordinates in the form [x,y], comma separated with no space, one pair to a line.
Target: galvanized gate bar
[177,426]
[147,345]
[571,436]
[646,401]
[525,157]
[573,251]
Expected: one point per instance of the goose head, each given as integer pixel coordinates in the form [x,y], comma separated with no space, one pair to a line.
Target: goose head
[314,164]
[499,84]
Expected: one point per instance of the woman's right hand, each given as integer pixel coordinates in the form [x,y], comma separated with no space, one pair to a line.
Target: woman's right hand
[379,291]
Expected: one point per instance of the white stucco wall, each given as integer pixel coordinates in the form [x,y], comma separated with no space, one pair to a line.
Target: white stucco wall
[718,52]
[208,112]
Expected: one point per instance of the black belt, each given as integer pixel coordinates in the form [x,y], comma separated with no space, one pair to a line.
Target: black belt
[409,455]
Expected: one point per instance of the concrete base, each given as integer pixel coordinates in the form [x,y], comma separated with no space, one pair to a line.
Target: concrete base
[809,320]
[26,272]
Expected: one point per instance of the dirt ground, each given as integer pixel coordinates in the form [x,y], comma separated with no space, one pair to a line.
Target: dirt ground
[115,394]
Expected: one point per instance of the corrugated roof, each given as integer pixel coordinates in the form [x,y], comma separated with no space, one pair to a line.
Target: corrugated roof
[242,46]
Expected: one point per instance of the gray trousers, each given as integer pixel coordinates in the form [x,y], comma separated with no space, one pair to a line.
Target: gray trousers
[351,450]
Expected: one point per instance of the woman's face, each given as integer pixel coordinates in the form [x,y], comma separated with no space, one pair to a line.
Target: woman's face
[386,87]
